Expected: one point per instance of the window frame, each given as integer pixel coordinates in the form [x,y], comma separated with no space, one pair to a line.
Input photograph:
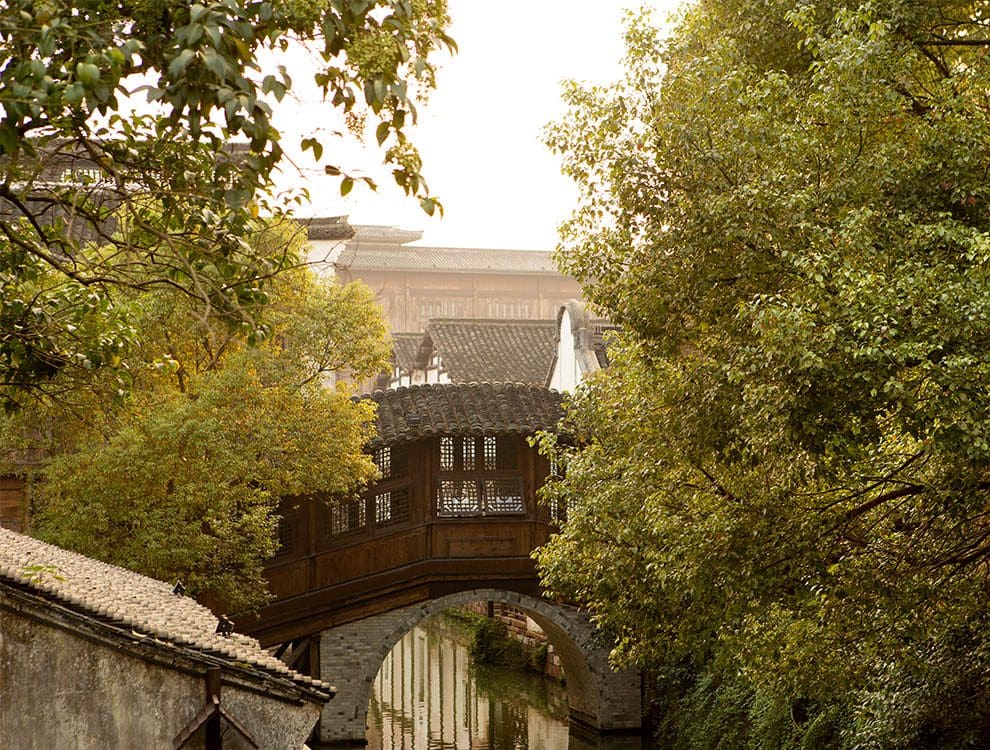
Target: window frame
[480,475]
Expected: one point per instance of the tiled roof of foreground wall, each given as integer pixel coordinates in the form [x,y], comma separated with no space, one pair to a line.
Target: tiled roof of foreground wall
[135,607]
[494,351]
[422,411]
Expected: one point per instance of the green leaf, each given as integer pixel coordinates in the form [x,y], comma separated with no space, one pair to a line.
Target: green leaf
[181,61]
[87,74]
[315,145]
[382,131]
[9,138]
[215,63]
[74,93]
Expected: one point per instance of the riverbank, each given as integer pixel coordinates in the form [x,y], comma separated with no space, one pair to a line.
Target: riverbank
[505,636]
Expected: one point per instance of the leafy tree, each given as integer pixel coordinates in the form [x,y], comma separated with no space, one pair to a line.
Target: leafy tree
[180,477]
[99,194]
[779,497]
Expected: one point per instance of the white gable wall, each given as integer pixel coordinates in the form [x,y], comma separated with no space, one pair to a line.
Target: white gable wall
[565,375]
[576,356]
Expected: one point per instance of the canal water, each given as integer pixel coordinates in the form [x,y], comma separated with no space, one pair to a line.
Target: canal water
[429,696]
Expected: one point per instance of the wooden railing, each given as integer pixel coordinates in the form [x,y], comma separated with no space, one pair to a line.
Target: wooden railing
[446,539]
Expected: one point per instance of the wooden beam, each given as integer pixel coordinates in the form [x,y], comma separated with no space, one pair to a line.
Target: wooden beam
[214,737]
[210,717]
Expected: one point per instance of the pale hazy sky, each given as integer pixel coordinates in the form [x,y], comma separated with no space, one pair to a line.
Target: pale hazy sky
[480,133]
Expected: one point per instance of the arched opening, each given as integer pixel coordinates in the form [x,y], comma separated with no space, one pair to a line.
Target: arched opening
[597,698]
[432,693]
[565,628]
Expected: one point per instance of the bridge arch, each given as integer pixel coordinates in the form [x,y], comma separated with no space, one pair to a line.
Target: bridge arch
[352,654]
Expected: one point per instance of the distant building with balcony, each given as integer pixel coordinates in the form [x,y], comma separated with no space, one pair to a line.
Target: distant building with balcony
[415,284]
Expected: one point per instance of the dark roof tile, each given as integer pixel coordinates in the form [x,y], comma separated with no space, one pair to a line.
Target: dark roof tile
[494,351]
[328,228]
[405,348]
[422,411]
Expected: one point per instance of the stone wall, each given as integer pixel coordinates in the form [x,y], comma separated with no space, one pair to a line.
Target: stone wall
[67,683]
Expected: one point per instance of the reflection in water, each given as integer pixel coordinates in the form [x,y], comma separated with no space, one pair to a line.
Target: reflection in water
[428,696]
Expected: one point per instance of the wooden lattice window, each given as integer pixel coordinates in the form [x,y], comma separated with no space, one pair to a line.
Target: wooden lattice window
[491,453]
[392,462]
[286,535]
[347,515]
[458,497]
[392,506]
[503,496]
[389,501]
[383,460]
[479,477]
[467,454]
[447,461]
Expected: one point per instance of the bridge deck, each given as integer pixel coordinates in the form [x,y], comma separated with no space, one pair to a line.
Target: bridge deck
[364,579]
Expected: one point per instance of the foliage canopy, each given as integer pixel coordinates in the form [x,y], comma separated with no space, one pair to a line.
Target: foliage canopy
[780,497]
[181,477]
[98,195]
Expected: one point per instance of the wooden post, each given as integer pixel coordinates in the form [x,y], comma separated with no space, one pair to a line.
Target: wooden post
[314,656]
[213,736]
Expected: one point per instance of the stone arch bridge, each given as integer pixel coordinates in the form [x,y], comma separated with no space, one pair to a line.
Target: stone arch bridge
[454,519]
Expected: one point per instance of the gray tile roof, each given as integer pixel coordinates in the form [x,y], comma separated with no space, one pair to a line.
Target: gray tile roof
[494,351]
[384,234]
[422,411]
[327,228]
[405,347]
[447,259]
[131,603]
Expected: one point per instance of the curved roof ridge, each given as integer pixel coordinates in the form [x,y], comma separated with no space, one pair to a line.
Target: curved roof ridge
[495,384]
[495,321]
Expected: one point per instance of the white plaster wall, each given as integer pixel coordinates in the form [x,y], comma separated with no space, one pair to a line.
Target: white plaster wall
[322,255]
[566,375]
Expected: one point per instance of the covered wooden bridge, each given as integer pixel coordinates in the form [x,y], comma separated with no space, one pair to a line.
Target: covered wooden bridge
[455,508]
[454,518]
